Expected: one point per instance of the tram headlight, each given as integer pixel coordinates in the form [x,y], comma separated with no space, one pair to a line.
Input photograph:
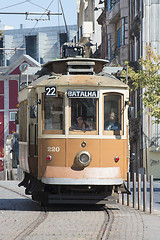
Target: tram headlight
[83,158]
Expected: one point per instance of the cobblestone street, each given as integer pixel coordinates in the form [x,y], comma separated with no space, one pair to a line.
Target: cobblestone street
[18,214]
[21,218]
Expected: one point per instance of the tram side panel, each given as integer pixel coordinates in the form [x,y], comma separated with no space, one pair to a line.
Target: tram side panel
[23,145]
[28,132]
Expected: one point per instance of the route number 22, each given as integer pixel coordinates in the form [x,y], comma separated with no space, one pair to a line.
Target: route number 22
[51,91]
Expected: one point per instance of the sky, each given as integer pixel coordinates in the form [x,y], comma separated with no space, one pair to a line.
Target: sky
[69,8]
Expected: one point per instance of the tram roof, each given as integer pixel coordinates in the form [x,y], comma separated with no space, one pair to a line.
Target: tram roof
[103,61]
[80,80]
[60,65]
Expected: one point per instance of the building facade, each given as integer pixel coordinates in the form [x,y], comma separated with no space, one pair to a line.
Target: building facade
[114,20]
[37,46]
[42,44]
[11,79]
[127,28]
[151,132]
[88,29]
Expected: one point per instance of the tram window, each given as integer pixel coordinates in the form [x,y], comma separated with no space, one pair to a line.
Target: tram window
[53,112]
[83,114]
[112,112]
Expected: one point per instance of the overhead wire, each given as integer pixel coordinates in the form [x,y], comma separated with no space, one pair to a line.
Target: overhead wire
[46,10]
[37,5]
[13,5]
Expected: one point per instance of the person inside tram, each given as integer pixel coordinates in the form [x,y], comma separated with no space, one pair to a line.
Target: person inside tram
[111,124]
[81,124]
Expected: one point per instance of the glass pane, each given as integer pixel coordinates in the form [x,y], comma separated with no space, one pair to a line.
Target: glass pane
[53,112]
[83,114]
[112,112]
[119,37]
[123,31]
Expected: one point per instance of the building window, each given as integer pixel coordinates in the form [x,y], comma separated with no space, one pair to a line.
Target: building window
[111,4]
[109,47]
[119,37]
[123,31]
[31,46]
[108,5]
[12,116]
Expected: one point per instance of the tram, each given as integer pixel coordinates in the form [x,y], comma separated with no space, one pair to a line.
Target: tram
[73,133]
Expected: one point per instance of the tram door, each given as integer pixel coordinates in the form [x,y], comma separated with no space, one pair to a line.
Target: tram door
[33,138]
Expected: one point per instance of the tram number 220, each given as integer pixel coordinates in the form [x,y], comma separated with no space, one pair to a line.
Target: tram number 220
[53,149]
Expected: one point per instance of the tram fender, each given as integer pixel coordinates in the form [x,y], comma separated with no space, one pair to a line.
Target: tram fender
[124,189]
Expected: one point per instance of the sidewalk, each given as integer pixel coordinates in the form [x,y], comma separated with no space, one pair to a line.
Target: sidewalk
[156,195]
[129,223]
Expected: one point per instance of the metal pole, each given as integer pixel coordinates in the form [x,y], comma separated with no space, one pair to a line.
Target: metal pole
[6,173]
[134,190]
[31,13]
[129,188]
[64,19]
[139,191]
[123,198]
[144,193]
[151,194]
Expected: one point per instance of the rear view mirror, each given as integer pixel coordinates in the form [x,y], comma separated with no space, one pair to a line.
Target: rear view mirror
[33,111]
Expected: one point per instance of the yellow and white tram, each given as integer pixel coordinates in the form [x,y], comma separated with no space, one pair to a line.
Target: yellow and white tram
[73,133]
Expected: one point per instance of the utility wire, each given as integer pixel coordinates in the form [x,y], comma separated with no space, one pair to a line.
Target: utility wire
[13,5]
[37,5]
[46,10]
[37,22]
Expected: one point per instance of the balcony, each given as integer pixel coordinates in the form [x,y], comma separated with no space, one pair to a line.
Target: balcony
[113,14]
[85,31]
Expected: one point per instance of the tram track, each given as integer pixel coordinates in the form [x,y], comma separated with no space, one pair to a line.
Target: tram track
[105,226]
[33,225]
[26,232]
[66,213]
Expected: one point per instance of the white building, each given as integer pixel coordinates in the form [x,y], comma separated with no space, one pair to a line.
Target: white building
[151,137]
[89,31]
[43,44]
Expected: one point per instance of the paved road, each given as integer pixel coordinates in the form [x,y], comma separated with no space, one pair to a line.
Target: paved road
[18,213]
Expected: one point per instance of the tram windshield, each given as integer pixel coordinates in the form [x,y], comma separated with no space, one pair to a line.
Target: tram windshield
[83,114]
[53,112]
[112,112]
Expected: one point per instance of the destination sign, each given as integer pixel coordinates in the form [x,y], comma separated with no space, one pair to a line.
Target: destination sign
[82,94]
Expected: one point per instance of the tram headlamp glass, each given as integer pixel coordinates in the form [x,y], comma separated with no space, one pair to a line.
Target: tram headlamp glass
[83,159]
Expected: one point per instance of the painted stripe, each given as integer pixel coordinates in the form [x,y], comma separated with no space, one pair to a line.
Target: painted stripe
[69,181]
